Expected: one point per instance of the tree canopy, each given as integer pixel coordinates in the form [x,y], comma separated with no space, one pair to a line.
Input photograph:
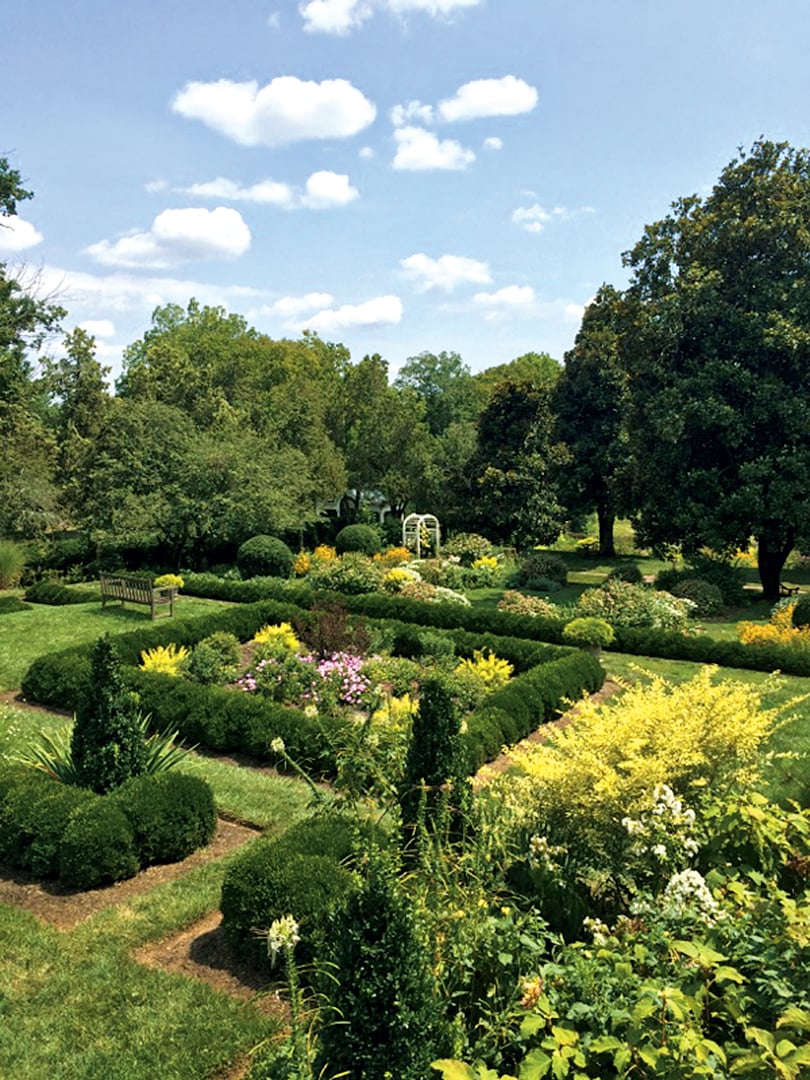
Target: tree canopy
[716,345]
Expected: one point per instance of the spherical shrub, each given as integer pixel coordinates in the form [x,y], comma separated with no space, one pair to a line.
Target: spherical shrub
[801,612]
[626,572]
[588,633]
[98,846]
[33,820]
[171,815]
[362,538]
[266,882]
[542,565]
[707,598]
[264,556]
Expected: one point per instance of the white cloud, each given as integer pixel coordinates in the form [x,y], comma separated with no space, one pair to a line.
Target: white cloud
[446,272]
[327,189]
[382,310]
[266,191]
[285,110]
[493,143]
[420,149]
[366,153]
[534,218]
[291,307]
[323,190]
[153,186]
[334,16]
[16,234]
[175,236]
[98,328]
[342,16]
[510,296]
[430,7]
[125,293]
[401,115]
[508,96]
[274,20]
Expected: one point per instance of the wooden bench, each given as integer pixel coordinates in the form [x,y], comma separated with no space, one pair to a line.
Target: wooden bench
[138,590]
[788,590]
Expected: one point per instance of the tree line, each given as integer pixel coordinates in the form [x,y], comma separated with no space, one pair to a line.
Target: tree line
[683,404]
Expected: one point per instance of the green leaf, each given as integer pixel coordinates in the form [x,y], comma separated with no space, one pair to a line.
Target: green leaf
[453,1070]
[729,974]
[535,1065]
[604,1043]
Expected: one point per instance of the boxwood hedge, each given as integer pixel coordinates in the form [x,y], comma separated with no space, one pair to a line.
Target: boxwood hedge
[225,720]
[58,831]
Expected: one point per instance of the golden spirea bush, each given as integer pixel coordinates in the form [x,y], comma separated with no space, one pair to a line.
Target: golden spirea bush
[607,761]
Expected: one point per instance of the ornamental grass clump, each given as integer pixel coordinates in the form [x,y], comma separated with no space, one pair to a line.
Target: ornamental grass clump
[12,564]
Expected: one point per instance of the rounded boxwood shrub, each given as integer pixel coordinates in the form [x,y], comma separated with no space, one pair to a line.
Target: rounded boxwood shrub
[171,815]
[33,820]
[542,565]
[801,612]
[588,632]
[362,538]
[267,881]
[264,556]
[98,846]
[707,598]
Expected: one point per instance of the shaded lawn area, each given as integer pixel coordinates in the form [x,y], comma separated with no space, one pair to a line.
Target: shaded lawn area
[26,635]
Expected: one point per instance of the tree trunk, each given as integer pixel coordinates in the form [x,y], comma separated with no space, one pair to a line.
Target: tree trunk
[772,555]
[606,521]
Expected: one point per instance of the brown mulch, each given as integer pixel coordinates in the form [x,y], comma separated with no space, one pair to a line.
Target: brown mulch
[64,908]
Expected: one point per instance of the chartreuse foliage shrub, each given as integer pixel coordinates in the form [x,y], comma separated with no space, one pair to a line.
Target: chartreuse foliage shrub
[588,632]
[164,659]
[781,629]
[264,555]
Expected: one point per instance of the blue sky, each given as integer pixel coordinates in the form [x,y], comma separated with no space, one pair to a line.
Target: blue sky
[399,175]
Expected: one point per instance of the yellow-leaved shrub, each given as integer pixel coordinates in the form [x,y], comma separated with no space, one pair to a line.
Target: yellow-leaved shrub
[606,763]
[779,630]
[281,635]
[164,659]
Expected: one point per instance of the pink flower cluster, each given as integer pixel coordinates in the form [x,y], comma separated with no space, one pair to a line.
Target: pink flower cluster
[342,673]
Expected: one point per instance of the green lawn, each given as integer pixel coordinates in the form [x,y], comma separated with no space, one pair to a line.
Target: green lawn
[25,635]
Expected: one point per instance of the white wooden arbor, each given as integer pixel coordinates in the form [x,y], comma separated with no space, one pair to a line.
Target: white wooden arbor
[414,528]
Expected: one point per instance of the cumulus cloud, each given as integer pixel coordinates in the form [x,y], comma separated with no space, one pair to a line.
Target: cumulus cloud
[323,190]
[176,236]
[420,149]
[153,186]
[401,115]
[446,272]
[16,234]
[508,96]
[341,17]
[493,143]
[334,16]
[534,218]
[286,110]
[292,307]
[511,296]
[381,311]
[99,328]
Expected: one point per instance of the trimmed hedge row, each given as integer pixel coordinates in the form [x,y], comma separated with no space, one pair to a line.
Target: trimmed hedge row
[86,840]
[638,641]
[56,595]
[306,871]
[226,720]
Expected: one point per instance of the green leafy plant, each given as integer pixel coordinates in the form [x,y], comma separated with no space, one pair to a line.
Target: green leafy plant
[12,563]
[588,632]
[264,556]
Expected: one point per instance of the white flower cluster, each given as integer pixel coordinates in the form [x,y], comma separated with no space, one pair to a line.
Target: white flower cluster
[543,855]
[663,831]
[283,933]
[688,894]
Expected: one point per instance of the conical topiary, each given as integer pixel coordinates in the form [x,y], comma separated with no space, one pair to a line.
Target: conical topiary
[107,743]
